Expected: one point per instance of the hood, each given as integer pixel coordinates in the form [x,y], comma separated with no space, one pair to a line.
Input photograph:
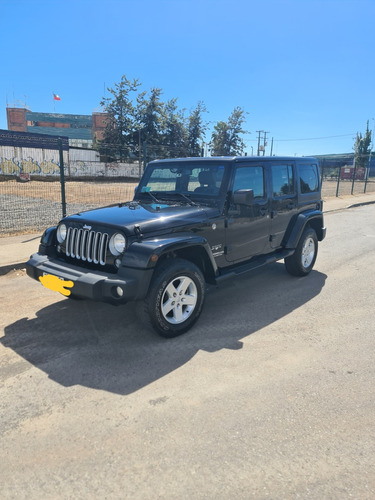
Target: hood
[149,217]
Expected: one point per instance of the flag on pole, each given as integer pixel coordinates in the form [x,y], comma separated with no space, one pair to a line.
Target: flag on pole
[56,97]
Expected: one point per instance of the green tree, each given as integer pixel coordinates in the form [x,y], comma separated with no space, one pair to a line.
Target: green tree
[195,130]
[150,116]
[226,138]
[362,148]
[121,118]
[175,137]
[136,117]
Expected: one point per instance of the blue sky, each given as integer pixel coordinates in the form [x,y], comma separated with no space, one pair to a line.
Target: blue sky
[303,69]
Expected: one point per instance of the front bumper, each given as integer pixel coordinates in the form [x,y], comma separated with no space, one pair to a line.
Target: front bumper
[132,284]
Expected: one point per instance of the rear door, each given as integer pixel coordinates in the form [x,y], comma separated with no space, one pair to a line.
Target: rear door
[284,199]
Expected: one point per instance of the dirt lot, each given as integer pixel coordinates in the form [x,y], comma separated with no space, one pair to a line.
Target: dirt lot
[270,395]
[35,205]
[86,192]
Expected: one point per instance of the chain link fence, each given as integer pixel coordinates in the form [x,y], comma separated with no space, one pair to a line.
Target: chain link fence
[38,186]
[36,204]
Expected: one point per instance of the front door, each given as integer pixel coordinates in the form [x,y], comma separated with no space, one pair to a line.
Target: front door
[248,227]
[284,201]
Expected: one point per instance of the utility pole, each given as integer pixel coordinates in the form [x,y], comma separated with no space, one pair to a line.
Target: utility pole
[264,139]
[265,142]
[369,158]
[259,132]
[271,147]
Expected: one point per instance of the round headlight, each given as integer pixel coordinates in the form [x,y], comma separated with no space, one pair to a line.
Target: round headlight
[61,233]
[117,244]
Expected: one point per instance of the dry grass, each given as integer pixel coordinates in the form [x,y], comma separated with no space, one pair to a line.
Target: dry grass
[75,192]
[100,192]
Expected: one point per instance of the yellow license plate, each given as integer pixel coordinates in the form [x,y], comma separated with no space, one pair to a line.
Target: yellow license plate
[56,284]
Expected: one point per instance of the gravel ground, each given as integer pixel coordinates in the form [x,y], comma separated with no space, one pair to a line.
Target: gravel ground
[29,214]
[36,205]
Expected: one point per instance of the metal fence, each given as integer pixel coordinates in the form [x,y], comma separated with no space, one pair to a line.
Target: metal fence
[36,204]
[346,180]
[35,193]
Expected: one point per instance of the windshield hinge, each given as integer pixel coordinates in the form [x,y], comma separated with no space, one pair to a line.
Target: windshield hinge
[138,232]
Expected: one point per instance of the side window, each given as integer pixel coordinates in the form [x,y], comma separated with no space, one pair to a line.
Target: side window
[282,180]
[309,180]
[250,178]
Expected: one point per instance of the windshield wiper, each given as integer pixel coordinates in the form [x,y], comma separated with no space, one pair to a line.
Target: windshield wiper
[151,196]
[182,195]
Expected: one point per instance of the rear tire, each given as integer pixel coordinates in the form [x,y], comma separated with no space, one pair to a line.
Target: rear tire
[303,259]
[175,298]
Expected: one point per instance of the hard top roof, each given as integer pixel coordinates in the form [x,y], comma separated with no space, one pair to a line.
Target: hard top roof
[235,159]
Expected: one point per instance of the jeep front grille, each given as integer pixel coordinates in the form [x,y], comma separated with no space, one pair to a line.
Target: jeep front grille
[86,245]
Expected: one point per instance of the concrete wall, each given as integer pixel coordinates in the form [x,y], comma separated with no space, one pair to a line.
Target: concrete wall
[46,162]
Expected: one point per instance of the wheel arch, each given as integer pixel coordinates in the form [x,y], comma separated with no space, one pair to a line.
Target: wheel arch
[150,254]
[311,219]
[196,254]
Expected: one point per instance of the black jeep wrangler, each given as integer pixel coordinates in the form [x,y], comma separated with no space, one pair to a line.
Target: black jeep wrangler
[192,222]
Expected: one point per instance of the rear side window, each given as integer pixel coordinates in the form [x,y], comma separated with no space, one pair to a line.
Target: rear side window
[309,179]
[282,180]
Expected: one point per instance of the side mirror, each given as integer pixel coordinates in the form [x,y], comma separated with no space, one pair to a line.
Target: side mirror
[243,197]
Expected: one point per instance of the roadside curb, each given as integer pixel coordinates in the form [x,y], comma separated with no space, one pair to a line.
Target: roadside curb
[354,205]
[361,204]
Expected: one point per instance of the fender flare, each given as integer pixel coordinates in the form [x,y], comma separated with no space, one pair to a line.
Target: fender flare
[294,235]
[48,237]
[145,254]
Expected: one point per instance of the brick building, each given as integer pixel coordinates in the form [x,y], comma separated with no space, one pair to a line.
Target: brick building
[81,130]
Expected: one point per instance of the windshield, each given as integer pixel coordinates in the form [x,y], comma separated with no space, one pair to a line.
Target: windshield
[182,180]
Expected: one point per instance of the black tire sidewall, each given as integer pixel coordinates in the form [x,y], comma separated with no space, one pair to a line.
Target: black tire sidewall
[308,233]
[294,263]
[163,278]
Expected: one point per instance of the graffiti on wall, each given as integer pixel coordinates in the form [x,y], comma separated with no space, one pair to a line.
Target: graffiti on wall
[9,167]
[30,166]
[13,166]
[77,168]
[23,161]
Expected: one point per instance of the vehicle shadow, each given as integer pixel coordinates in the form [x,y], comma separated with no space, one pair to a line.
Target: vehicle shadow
[104,347]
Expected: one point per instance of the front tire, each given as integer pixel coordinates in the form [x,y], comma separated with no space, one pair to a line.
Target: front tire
[175,299]
[303,259]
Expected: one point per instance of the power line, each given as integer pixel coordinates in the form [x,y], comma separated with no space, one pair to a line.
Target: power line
[315,138]
[305,139]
